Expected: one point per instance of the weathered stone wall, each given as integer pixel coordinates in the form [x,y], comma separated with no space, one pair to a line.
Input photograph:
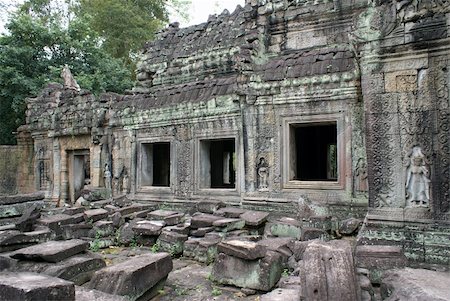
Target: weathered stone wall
[9,165]
[404,50]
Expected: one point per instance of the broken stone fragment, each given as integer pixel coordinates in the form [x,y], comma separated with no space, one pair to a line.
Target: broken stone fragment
[94,215]
[228,224]
[350,226]
[230,212]
[73,210]
[172,242]
[334,272]
[54,222]
[148,228]
[78,268]
[242,249]
[254,218]
[209,206]
[203,220]
[285,227]
[29,217]
[30,287]
[314,233]
[52,251]
[201,232]
[134,278]
[415,284]
[261,274]
[278,244]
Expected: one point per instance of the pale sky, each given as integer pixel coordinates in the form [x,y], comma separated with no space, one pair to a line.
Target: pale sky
[198,12]
[201,9]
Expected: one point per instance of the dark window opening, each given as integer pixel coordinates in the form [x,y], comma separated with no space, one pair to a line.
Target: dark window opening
[155,164]
[218,164]
[314,149]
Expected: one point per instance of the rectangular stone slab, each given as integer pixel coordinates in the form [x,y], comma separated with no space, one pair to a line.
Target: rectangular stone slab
[254,218]
[242,249]
[32,287]
[203,220]
[134,277]
[52,251]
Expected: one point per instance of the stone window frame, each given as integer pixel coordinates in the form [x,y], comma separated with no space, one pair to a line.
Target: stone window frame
[217,135]
[287,123]
[172,176]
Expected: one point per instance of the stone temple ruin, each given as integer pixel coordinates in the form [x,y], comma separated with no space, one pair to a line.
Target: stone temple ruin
[257,141]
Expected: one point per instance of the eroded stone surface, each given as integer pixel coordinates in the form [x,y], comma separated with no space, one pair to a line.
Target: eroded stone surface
[31,287]
[52,251]
[242,249]
[134,277]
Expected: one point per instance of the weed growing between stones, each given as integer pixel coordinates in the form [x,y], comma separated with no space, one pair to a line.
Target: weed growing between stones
[216,292]
[155,248]
[96,244]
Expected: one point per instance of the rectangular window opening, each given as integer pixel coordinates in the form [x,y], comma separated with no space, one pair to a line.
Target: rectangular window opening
[155,164]
[314,152]
[218,164]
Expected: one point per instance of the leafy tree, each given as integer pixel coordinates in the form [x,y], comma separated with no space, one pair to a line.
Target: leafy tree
[98,39]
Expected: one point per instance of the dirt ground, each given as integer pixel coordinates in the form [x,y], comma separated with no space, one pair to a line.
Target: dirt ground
[188,281]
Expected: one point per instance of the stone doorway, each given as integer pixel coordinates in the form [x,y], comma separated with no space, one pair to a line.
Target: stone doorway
[79,172]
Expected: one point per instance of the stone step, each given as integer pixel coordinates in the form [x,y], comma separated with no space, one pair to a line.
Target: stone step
[134,278]
[52,251]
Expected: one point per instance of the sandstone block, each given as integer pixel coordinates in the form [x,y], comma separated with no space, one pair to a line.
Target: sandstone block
[148,228]
[203,220]
[242,249]
[254,218]
[282,294]
[334,272]
[85,294]
[31,287]
[228,224]
[135,277]
[52,251]
[230,212]
[94,215]
[261,274]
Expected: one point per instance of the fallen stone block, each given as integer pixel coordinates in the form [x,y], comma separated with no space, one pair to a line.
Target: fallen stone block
[102,229]
[78,269]
[415,285]
[378,258]
[261,274]
[14,240]
[228,224]
[28,219]
[169,217]
[172,242]
[209,206]
[78,218]
[52,251]
[148,228]
[22,198]
[85,294]
[279,244]
[206,250]
[54,222]
[201,232]
[230,212]
[314,233]
[203,220]
[242,249]
[100,204]
[254,218]
[190,246]
[285,227]
[298,248]
[94,215]
[32,287]
[334,273]
[76,231]
[350,226]
[282,294]
[180,229]
[74,210]
[134,278]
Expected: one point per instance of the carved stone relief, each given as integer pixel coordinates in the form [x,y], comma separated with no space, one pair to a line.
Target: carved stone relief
[263,175]
[417,180]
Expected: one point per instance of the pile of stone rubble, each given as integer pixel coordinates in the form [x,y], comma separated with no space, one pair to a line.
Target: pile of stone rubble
[51,254]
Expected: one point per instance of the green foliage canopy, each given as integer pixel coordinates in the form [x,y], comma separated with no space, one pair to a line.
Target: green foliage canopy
[98,39]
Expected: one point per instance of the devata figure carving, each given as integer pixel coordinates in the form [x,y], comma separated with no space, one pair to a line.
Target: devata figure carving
[361,181]
[417,180]
[263,174]
[69,81]
[107,176]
